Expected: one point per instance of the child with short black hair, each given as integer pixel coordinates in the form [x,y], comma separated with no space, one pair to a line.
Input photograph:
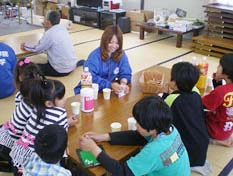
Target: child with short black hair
[50,145]
[219,101]
[163,152]
[188,114]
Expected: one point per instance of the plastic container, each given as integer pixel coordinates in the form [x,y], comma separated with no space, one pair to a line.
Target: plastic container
[86,78]
[194,60]
[203,67]
[201,83]
[87,99]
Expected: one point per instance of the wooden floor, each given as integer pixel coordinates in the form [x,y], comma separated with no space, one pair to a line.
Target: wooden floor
[152,50]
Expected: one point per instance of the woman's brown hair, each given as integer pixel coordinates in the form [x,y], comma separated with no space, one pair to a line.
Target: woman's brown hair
[109,32]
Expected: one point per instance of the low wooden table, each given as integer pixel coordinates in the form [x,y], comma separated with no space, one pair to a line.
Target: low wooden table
[106,112]
[146,26]
[15,42]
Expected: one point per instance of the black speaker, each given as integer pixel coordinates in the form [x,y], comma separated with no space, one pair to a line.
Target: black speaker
[124,24]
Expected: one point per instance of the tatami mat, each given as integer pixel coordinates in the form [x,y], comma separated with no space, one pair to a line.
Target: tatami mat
[152,50]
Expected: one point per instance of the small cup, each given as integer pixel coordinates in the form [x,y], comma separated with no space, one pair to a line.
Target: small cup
[115,126]
[96,90]
[107,93]
[210,83]
[75,107]
[131,123]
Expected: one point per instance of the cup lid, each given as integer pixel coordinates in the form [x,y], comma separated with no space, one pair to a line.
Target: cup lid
[115,125]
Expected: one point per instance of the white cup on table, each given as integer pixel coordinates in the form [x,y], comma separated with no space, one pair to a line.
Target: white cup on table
[107,93]
[116,126]
[95,86]
[75,106]
[131,123]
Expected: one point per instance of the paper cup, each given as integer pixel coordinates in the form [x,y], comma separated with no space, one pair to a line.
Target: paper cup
[131,123]
[75,107]
[115,126]
[210,83]
[96,90]
[107,93]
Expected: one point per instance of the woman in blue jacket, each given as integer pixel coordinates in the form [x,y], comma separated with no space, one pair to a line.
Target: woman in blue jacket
[7,66]
[108,63]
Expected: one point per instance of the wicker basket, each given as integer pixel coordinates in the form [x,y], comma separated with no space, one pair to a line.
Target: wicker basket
[151,81]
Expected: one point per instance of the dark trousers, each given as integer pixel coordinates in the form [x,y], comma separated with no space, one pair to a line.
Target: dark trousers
[5,159]
[75,171]
[48,70]
[6,164]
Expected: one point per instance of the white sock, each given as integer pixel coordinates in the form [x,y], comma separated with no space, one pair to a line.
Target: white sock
[205,170]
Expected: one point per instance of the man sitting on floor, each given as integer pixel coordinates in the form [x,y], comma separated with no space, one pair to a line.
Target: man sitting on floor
[56,42]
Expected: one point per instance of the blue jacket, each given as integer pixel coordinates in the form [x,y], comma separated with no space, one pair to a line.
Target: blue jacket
[105,72]
[7,67]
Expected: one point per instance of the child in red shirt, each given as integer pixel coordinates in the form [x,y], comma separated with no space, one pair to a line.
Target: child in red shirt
[220,103]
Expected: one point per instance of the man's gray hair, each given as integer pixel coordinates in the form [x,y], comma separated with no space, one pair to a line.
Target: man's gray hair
[53,16]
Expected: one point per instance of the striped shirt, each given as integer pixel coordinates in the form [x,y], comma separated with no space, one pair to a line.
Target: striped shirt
[24,147]
[13,129]
[18,98]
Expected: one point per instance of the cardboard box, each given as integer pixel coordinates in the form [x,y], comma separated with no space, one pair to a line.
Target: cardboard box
[39,8]
[138,16]
[50,6]
[65,12]
[54,1]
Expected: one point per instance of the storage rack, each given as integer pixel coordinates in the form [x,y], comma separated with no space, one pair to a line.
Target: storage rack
[219,38]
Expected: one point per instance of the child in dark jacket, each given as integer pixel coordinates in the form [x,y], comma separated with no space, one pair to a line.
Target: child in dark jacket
[188,115]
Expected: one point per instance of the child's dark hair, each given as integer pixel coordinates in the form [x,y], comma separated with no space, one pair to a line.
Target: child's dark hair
[45,90]
[27,70]
[50,143]
[227,65]
[185,75]
[59,89]
[153,113]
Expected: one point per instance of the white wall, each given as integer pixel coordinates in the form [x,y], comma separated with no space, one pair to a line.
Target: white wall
[131,4]
[193,7]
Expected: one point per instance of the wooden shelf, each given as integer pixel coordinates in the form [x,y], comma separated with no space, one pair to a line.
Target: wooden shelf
[219,15]
[212,46]
[219,7]
[221,25]
[219,38]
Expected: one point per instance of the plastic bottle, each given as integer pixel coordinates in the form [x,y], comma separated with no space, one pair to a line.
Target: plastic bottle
[87,99]
[203,67]
[86,78]
[194,60]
